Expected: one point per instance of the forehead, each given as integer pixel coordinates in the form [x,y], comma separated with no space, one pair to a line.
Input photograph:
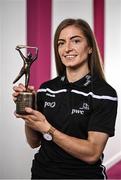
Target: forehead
[70,31]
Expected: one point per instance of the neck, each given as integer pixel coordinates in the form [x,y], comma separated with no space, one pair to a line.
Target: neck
[74,75]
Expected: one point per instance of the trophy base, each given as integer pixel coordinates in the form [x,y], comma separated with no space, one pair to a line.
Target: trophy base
[25,99]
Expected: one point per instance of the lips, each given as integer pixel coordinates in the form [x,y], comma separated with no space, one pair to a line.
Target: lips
[70,56]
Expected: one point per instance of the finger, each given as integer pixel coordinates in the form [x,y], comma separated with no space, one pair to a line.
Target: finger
[26,118]
[15,94]
[31,88]
[22,86]
[33,113]
[19,89]
[14,99]
[17,115]
[20,115]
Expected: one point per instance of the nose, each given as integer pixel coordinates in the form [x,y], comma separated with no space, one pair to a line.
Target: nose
[68,47]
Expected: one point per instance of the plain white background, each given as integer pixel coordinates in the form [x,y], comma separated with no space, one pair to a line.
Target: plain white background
[15,154]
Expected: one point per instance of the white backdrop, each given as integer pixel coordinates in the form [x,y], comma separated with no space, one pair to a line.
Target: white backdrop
[112,71]
[15,154]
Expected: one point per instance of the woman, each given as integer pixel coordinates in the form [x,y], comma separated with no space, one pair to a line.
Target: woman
[76,111]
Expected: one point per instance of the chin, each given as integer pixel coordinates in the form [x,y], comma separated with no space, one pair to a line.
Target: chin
[70,64]
[73,67]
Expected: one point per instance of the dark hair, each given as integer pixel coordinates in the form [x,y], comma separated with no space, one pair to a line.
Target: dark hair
[94,61]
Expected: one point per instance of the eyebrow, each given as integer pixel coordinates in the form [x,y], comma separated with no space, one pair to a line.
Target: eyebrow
[76,36]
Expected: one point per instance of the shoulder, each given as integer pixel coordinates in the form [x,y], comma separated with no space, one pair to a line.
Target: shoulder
[102,87]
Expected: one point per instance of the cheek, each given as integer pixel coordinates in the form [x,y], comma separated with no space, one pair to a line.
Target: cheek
[59,51]
[83,51]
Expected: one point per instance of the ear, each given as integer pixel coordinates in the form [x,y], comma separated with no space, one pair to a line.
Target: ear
[90,51]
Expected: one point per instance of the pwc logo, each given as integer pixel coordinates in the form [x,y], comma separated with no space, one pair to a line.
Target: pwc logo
[81,110]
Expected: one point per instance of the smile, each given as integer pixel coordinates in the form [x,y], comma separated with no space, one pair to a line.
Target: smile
[70,56]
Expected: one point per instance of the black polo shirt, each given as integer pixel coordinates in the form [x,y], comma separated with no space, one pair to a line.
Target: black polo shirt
[89,104]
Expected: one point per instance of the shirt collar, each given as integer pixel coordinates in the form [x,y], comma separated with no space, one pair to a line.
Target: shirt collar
[85,81]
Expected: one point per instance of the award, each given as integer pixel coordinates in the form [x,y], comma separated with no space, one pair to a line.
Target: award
[26,98]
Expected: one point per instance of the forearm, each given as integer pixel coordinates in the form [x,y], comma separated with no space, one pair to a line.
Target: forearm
[32,137]
[82,149]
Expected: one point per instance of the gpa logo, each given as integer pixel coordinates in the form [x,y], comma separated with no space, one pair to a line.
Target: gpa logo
[49,104]
[85,106]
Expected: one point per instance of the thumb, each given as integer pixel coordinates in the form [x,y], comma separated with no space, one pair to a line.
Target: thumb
[34,112]
[29,110]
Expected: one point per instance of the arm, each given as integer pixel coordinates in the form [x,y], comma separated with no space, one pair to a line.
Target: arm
[88,150]
[32,137]
[36,55]
[21,54]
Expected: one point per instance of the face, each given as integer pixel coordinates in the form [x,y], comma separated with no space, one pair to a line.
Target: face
[73,47]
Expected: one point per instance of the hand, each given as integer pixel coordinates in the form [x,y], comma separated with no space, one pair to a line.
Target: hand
[20,88]
[35,120]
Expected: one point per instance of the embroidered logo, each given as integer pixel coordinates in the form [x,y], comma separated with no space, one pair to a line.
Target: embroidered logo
[77,111]
[49,104]
[81,110]
[62,78]
[88,80]
[85,106]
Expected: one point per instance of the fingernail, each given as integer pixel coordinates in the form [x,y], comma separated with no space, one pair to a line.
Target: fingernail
[28,109]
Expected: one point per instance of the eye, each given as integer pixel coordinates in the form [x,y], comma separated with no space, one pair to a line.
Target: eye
[60,43]
[76,41]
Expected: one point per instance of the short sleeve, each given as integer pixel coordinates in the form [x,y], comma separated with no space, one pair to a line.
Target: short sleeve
[103,116]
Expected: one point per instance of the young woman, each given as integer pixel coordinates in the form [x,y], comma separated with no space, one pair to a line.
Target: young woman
[76,111]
